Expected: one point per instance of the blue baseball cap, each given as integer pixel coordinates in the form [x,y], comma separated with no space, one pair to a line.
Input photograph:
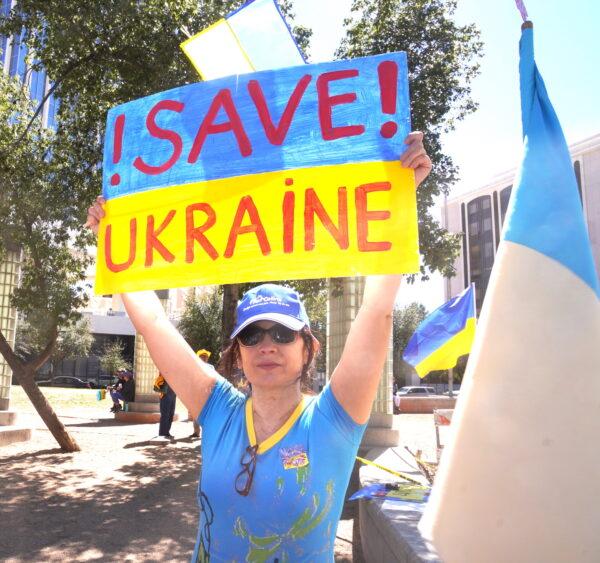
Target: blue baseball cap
[271,302]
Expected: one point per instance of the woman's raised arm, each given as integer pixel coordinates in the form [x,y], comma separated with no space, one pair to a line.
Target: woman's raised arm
[190,378]
[355,379]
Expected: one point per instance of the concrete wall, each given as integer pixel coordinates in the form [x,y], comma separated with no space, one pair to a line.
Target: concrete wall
[425,405]
[388,529]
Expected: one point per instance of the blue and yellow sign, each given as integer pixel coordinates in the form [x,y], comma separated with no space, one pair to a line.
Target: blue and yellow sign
[291,173]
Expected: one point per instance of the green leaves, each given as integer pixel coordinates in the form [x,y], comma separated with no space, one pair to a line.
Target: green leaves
[406,321]
[443,60]
[200,322]
[111,358]
[39,214]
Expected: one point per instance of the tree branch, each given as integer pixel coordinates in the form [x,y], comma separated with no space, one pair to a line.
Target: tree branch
[70,68]
[11,358]
[38,362]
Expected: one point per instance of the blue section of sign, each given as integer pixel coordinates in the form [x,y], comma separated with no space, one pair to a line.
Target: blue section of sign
[166,157]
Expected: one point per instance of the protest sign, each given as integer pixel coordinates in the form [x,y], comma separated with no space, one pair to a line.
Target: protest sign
[291,173]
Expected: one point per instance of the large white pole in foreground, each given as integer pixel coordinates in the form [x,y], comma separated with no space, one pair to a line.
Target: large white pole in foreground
[518,481]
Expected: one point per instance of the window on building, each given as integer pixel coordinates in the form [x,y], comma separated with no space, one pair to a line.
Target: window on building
[4,11]
[463,225]
[504,199]
[53,105]
[577,170]
[37,85]
[481,245]
[17,57]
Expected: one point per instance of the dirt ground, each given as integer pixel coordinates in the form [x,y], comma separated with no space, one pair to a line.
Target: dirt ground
[121,498]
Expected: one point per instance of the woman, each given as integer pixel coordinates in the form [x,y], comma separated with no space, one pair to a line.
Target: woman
[276,464]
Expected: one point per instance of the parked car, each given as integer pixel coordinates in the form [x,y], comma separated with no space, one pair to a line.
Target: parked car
[420,390]
[65,381]
[105,380]
[455,393]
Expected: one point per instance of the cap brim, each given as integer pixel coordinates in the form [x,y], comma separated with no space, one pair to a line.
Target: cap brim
[285,320]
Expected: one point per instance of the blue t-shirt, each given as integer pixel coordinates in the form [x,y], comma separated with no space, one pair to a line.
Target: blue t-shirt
[302,472]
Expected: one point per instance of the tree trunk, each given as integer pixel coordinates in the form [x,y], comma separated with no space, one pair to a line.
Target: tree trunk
[24,374]
[46,412]
[231,294]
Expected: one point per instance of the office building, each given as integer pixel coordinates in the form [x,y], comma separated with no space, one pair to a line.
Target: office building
[479,215]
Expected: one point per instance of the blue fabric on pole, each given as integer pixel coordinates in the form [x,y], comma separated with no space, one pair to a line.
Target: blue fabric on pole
[440,326]
[545,211]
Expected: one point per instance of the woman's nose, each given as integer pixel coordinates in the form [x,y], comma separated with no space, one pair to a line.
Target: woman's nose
[266,344]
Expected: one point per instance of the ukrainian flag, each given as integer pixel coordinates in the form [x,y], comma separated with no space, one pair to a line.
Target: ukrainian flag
[252,38]
[444,335]
[518,479]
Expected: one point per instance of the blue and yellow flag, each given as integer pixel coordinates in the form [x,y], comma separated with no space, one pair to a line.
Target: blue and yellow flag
[444,335]
[252,38]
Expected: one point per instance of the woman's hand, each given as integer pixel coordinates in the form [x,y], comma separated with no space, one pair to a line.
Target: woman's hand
[95,214]
[355,379]
[416,157]
[178,363]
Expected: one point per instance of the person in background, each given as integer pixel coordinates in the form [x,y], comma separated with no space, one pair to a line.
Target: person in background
[167,407]
[204,355]
[123,390]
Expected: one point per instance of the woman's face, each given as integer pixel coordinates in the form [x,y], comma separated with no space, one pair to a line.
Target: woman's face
[268,364]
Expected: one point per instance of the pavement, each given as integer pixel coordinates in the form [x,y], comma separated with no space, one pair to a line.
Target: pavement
[122,498]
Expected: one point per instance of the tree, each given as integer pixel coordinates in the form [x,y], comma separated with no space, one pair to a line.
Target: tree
[442,62]
[39,214]
[406,321]
[200,322]
[101,54]
[112,359]
[73,341]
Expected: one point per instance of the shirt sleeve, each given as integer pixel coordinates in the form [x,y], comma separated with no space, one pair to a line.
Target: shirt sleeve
[329,407]
[223,400]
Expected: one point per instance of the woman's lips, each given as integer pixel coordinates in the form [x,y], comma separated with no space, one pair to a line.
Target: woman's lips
[268,365]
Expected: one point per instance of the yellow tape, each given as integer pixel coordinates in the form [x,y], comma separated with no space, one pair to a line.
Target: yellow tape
[396,473]
[262,227]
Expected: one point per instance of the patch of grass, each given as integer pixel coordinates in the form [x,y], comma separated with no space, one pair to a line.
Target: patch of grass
[60,398]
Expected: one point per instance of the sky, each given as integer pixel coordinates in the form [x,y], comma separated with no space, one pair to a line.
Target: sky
[488,142]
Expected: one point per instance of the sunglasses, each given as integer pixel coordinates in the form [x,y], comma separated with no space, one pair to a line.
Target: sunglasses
[244,479]
[254,334]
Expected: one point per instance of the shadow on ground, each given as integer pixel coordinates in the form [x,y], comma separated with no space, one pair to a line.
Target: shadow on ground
[57,512]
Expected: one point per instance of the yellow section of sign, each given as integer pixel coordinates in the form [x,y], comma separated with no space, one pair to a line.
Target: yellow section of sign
[329,221]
